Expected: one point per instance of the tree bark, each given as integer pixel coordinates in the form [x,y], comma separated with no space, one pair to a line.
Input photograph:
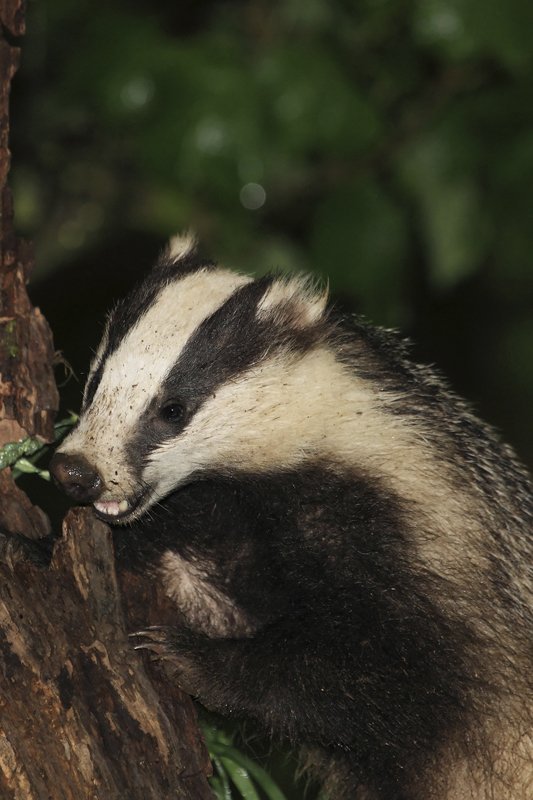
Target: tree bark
[81,714]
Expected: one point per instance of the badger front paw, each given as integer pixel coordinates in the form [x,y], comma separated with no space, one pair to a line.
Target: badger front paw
[174,647]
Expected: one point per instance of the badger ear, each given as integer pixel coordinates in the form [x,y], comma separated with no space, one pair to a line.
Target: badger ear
[180,257]
[297,301]
[181,246]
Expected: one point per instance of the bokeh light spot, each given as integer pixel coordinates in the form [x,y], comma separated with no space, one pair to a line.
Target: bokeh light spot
[252,196]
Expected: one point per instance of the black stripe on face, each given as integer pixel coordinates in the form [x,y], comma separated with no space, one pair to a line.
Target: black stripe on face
[225,345]
[232,340]
[92,385]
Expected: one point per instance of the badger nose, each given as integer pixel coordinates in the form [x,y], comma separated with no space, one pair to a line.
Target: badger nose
[76,477]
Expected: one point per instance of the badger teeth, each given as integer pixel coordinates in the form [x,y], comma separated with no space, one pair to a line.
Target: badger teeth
[112,508]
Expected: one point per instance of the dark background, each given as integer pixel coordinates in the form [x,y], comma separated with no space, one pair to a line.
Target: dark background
[385,144]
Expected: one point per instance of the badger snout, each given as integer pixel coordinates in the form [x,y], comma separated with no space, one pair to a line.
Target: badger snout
[76,477]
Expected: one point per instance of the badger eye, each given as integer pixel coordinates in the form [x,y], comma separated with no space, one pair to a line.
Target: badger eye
[172,411]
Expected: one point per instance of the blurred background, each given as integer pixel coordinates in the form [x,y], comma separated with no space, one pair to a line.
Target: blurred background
[386,144]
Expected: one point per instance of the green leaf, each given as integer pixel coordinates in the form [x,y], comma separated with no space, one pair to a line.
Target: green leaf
[26,467]
[220,783]
[12,451]
[241,778]
[17,454]
[230,761]
[250,768]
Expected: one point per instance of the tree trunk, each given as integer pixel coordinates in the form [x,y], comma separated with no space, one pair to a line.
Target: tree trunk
[81,714]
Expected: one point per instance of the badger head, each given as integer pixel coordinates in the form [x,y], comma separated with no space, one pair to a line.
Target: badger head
[199,370]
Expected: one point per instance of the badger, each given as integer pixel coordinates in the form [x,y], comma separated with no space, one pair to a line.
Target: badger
[347,547]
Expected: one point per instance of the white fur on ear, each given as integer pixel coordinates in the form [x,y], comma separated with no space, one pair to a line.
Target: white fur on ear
[181,245]
[298,300]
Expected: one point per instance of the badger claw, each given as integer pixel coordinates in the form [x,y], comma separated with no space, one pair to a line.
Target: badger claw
[163,642]
[152,646]
[150,632]
[156,640]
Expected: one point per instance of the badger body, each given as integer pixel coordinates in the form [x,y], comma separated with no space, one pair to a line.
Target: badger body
[347,547]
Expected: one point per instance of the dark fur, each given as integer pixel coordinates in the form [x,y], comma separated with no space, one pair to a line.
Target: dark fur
[349,652]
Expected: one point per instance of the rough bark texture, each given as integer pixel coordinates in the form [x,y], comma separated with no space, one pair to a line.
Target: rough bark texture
[81,714]
[79,717]
[28,395]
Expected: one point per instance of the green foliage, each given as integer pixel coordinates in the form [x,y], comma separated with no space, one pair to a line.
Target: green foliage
[13,451]
[359,241]
[22,456]
[347,116]
[157,118]
[235,774]
[472,28]
[440,173]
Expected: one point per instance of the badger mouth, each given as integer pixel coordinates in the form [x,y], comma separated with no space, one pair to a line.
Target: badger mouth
[118,512]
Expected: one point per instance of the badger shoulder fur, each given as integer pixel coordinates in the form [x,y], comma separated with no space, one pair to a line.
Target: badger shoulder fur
[348,548]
